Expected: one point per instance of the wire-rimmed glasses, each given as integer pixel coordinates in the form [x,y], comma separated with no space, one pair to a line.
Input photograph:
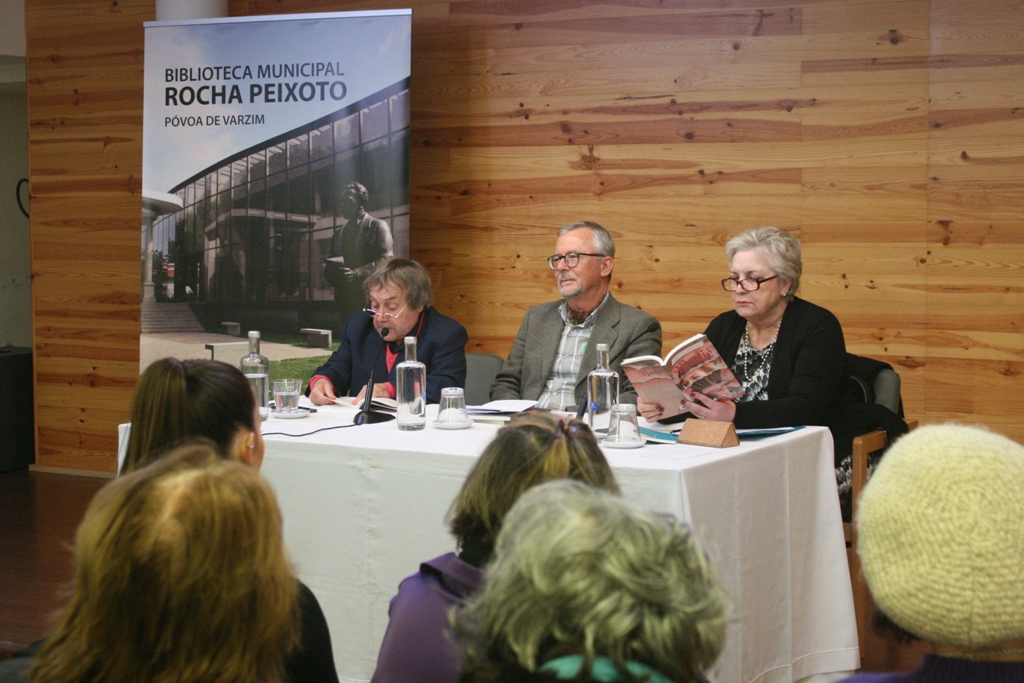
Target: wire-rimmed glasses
[373,313]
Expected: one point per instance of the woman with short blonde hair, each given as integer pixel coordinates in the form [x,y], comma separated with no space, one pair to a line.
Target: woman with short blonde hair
[182,400]
[180,575]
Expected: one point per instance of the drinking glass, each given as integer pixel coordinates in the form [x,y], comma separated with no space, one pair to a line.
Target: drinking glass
[623,429]
[286,394]
[452,414]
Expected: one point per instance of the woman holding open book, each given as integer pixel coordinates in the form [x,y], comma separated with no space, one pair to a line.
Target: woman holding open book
[788,353]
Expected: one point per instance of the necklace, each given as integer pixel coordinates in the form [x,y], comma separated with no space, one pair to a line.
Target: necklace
[763,356]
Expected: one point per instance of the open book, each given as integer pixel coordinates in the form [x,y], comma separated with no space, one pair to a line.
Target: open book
[382,403]
[693,365]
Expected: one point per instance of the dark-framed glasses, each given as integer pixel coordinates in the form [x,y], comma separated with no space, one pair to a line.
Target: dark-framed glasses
[748,284]
[571,259]
[373,313]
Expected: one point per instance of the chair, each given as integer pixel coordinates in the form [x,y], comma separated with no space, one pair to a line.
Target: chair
[481,369]
[884,390]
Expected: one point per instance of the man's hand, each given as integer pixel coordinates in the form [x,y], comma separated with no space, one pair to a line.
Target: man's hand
[335,271]
[321,392]
[379,391]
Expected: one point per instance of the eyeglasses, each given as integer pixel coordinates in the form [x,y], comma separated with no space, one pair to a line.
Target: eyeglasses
[750,284]
[571,259]
[384,314]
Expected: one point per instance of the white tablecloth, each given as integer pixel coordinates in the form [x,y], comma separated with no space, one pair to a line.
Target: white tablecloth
[363,506]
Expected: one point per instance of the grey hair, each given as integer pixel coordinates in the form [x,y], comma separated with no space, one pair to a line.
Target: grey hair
[407,275]
[603,242]
[580,571]
[778,247]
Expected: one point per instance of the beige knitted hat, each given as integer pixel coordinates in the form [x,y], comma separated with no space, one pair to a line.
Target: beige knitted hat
[941,526]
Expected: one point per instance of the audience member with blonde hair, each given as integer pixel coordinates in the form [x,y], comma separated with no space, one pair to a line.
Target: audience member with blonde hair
[180,575]
[941,543]
[585,586]
[177,401]
[528,451]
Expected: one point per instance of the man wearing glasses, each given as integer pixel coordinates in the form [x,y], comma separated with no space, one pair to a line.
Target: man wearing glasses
[556,347]
[400,301]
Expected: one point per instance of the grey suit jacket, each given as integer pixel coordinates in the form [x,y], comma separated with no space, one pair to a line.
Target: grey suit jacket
[628,332]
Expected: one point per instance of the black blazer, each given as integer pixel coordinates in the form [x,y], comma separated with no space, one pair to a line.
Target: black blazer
[440,345]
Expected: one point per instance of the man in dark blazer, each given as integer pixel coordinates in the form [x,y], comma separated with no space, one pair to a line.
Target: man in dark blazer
[400,306]
[556,347]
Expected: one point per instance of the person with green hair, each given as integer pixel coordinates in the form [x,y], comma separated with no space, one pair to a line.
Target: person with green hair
[585,586]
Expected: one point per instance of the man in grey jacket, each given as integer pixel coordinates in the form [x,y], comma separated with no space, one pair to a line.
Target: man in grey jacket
[556,347]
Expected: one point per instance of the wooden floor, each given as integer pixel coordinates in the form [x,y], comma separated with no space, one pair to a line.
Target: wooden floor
[38,516]
[39,513]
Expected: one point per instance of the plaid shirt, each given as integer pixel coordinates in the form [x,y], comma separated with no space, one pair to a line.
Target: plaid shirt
[560,391]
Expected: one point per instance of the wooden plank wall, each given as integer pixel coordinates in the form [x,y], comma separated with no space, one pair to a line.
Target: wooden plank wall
[887,134]
[84,89]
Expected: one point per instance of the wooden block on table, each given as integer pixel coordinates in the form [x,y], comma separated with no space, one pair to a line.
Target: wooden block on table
[708,433]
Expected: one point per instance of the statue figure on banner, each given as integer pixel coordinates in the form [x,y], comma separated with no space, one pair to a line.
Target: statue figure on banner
[357,248]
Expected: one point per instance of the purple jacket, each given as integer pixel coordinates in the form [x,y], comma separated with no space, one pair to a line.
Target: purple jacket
[948,670]
[416,648]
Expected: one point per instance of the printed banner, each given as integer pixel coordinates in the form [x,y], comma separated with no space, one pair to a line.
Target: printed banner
[275,168]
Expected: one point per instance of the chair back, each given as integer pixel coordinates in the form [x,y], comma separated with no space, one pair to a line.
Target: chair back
[872,381]
[481,369]
[887,389]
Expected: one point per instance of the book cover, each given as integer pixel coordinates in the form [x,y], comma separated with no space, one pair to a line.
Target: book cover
[692,366]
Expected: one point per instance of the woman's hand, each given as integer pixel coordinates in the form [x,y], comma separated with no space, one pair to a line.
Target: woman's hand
[650,411]
[706,408]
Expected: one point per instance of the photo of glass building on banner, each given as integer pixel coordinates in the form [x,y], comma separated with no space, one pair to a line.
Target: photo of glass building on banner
[259,233]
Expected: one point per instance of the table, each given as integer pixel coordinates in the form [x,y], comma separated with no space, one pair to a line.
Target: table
[363,506]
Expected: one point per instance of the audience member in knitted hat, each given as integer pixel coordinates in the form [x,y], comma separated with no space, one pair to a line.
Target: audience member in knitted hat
[941,529]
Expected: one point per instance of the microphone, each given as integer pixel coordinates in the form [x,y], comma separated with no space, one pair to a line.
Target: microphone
[581,409]
[367,415]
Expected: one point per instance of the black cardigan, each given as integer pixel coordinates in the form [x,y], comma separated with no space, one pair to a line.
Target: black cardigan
[808,366]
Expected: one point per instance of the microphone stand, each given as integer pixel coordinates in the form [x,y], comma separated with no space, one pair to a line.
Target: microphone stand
[367,415]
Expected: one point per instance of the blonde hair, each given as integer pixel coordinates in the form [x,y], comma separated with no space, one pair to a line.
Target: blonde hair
[579,571]
[180,575]
[530,450]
